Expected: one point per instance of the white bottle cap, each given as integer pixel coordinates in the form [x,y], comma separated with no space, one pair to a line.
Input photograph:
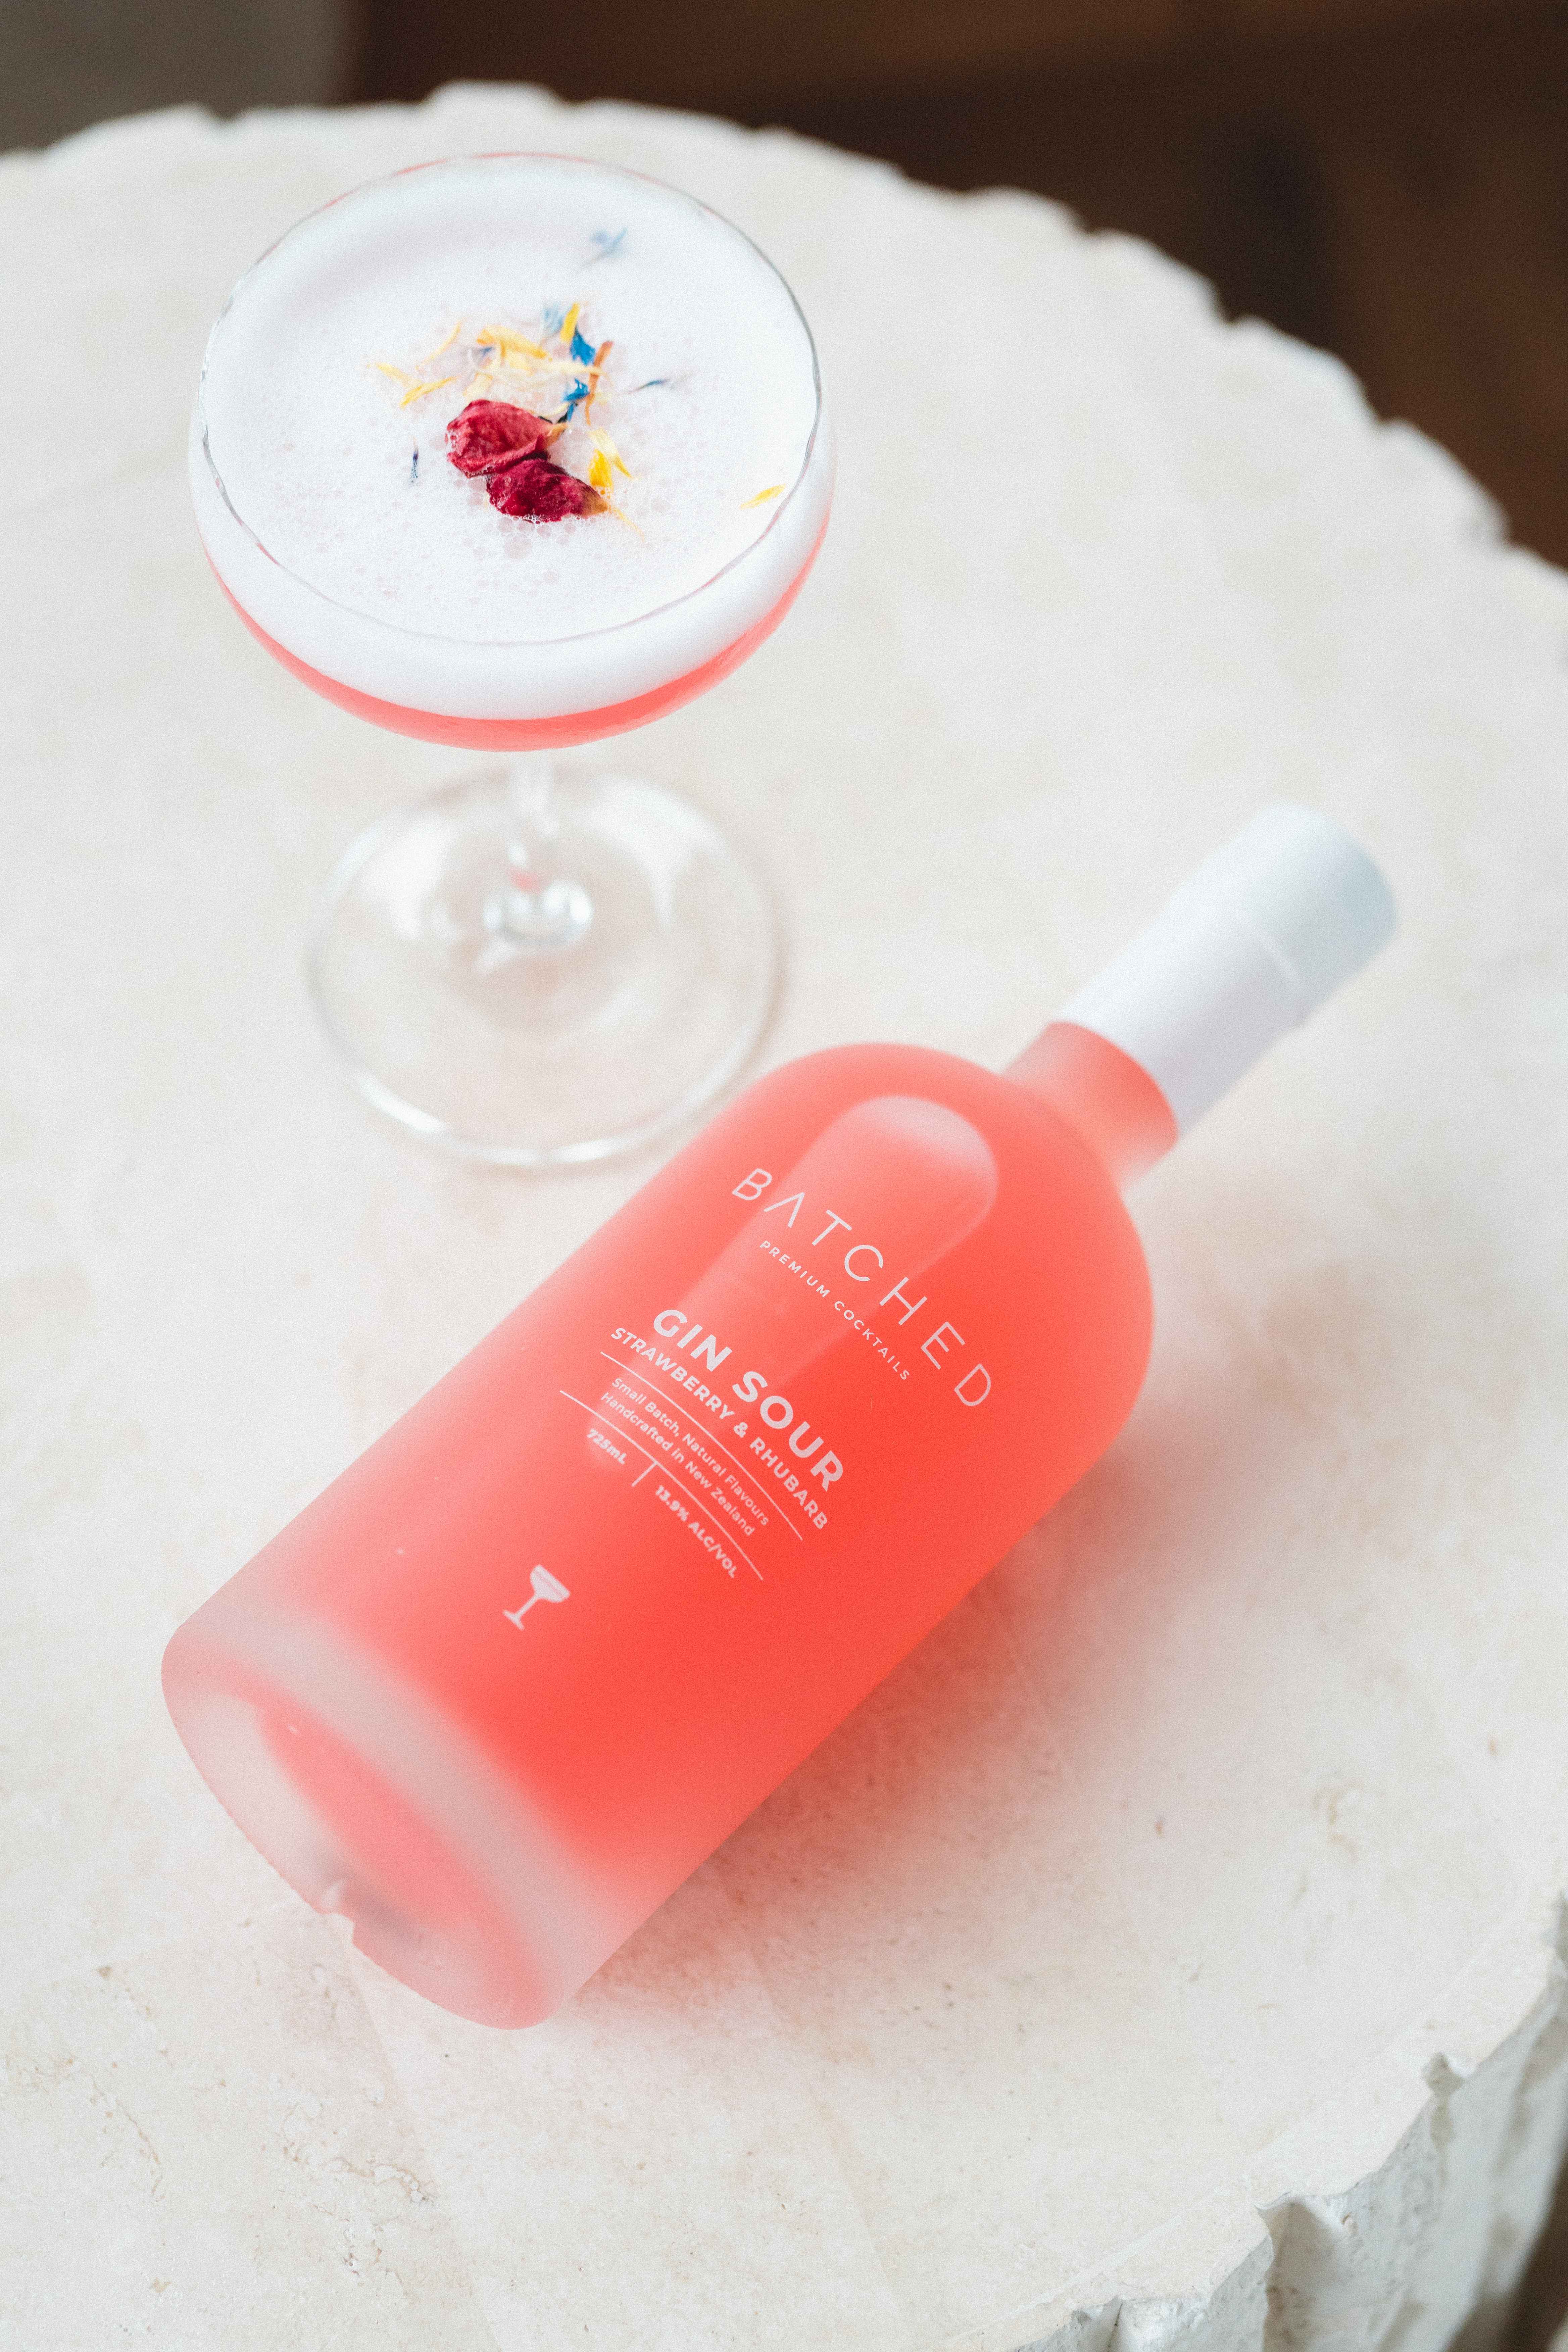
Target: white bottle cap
[1265,931]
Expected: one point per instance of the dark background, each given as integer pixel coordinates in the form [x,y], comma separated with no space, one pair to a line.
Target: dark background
[1388,178]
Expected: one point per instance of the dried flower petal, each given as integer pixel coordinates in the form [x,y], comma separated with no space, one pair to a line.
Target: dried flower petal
[511,351]
[542,491]
[489,434]
[603,447]
[414,387]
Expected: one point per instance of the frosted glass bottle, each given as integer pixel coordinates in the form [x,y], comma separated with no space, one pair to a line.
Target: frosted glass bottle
[534,1654]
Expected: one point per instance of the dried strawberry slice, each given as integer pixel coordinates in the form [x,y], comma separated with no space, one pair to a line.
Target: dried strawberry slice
[492,433]
[542,491]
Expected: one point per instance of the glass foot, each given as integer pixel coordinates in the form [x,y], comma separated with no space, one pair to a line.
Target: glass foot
[537,972]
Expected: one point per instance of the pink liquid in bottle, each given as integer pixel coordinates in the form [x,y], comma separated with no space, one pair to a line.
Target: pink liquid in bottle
[527,1661]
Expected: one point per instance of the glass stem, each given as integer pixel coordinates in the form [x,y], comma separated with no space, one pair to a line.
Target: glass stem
[536,906]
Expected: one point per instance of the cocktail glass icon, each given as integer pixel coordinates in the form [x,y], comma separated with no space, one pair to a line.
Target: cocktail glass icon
[545,1588]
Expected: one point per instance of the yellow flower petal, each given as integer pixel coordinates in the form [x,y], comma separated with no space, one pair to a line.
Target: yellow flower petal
[513,350]
[414,387]
[774,490]
[418,391]
[609,451]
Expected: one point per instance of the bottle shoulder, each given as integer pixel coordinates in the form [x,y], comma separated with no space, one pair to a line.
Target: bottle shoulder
[885,1135]
[1033,1132]
[903,1210]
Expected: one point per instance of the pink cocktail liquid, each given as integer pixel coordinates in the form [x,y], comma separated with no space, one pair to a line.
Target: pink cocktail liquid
[551,733]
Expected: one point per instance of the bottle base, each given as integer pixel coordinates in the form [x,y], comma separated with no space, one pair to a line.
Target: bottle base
[373,1810]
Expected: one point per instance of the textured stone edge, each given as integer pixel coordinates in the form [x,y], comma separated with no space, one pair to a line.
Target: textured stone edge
[1445,2159]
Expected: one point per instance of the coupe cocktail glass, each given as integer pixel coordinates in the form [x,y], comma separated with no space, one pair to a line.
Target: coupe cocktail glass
[525,968]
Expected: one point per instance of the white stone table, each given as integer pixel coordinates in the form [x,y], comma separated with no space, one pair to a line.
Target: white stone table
[1166,1951]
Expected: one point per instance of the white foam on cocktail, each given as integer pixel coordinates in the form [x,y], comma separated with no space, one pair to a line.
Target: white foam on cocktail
[316,455]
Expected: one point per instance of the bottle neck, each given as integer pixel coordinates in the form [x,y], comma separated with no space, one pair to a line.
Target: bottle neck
[1264,932]
[1102,1093]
